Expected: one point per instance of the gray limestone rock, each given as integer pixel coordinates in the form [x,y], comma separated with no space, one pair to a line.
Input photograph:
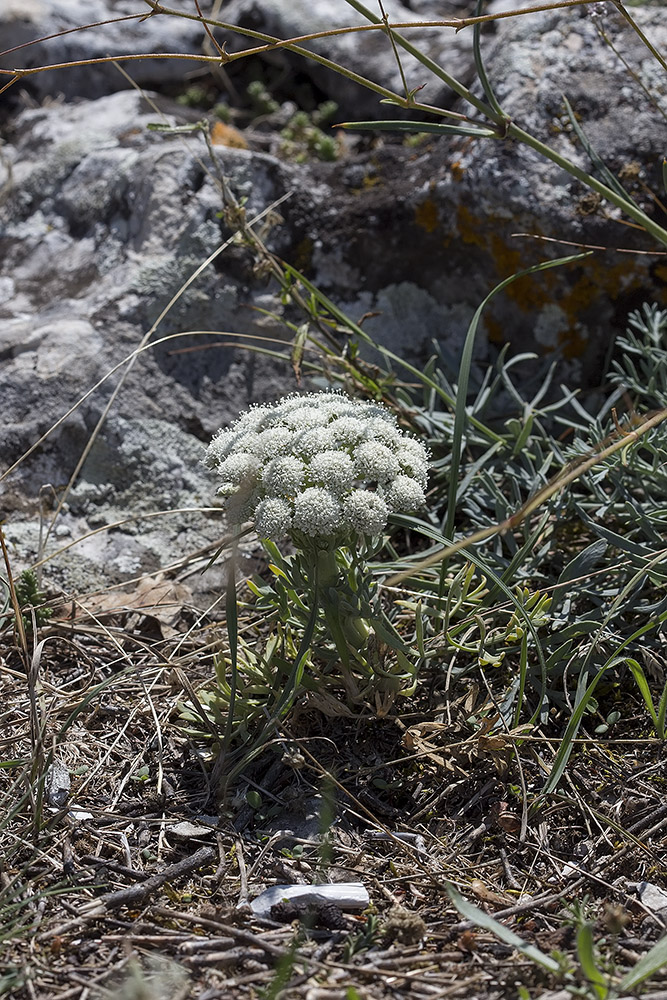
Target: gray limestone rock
[38,33]
[368,54]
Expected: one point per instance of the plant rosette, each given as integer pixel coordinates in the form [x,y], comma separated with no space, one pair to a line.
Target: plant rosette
[326,471]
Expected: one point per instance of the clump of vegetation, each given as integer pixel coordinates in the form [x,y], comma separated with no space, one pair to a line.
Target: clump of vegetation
[303,136]
[559,598]
[262,102]
[327,471]
[31,599]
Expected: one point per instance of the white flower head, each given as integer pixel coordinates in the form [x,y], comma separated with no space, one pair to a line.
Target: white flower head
[384,430]
[405,495]
[319,464]
[273,518]
[375,462]
[333,470]
[317,512]
[348,431]
[273,441]
[306,416]
[238,468]
[365,512]
[283,476]
[412,460]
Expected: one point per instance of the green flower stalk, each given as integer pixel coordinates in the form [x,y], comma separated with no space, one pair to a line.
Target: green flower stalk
[326,471]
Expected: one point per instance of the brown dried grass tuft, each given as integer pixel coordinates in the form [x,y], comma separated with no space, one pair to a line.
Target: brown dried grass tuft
[101,898]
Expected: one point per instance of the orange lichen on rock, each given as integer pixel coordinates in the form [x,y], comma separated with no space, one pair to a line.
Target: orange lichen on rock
[227,135]
[574,292]
[426,215]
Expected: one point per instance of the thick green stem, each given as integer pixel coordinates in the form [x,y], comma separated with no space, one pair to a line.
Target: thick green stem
[328,573]
[349,632]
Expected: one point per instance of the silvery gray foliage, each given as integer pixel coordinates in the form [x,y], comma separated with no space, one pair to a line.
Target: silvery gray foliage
[320,464]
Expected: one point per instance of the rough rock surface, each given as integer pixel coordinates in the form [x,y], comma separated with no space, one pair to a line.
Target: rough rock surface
[367,54]
[52,32]
[104,221]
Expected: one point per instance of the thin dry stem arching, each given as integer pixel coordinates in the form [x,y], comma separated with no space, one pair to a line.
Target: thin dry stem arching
[588,246]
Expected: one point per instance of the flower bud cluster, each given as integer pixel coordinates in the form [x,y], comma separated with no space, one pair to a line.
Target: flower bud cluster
[320,464]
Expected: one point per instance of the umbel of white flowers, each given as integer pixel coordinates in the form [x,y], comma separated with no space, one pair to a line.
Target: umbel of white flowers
[319,465]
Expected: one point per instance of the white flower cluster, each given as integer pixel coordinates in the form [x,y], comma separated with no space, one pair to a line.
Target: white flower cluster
[322,464]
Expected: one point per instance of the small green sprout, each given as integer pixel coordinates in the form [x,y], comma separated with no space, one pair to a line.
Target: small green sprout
[31,600]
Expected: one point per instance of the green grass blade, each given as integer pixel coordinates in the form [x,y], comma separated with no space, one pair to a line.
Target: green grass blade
[644,689]
[567,743]
[479,65]
[413,126]
[460,414]
[586,955]
[291,686]
[648,965]
[662,711]
[488,923]
[594,156]
[231,610]
[414,524]
[354,328]
[426,61]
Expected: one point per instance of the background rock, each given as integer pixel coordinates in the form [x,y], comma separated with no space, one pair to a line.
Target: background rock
[368,54]
[32,35]
[104,220]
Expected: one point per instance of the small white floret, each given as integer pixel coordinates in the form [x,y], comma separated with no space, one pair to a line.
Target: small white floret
[375,462]
[306,416]
[238,468]
[413,461]
[312,441]
[365,512]
[348,431]
[273,518]
[273,441]
[405,495]
[284,476]
[332,469]
[316,512]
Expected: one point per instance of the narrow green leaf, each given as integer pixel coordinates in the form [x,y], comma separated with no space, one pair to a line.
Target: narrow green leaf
[488,923]
[298,347]
[233,639]
[567,743]
[581,566]
[479,65]
[594,157]
[586,955]
[662,712]
[645,690]
[287,698]
[647,966]
[429,531]
[407,126]
[460,414]
[359,332]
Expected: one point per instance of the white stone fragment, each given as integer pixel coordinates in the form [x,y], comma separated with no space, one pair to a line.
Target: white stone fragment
[346,895]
